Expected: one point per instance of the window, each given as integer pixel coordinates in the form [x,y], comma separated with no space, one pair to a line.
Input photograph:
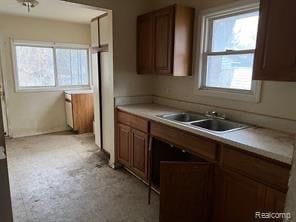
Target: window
[227,53]
[35,66]
[50,66]
[72,67]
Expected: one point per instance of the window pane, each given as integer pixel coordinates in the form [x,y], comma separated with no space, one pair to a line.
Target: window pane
[35,66]
[235,32]
[230,71]
[72,67]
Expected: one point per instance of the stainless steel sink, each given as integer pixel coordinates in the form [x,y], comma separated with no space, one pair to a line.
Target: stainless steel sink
[183,117]
[209,123]
[218,125]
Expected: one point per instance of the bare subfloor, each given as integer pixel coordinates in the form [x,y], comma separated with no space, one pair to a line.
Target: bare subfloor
[62,177]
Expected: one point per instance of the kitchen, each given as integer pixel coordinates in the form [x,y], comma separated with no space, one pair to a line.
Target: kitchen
[204,164]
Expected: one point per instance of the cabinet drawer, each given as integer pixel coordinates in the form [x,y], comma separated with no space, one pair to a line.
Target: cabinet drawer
[265,171]
[133,121]
[192,143]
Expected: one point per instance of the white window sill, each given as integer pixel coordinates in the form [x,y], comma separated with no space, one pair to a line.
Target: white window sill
[51,89]
[247,96]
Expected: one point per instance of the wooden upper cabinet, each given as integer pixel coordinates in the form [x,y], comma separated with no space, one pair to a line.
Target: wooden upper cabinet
[164,21]
[165,41]
[185,191]
[275,57]
[145,54]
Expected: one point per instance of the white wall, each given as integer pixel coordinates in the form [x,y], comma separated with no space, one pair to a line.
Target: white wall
[39,112]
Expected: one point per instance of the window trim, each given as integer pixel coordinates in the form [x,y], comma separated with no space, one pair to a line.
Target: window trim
[54,46]
[203,50]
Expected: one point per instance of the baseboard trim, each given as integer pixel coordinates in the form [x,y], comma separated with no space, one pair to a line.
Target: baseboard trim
[37,133]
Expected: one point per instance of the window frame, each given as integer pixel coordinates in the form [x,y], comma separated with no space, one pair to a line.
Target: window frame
[54,46]
[205,28]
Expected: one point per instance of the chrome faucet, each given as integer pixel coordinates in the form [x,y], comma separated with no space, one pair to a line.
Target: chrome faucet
[215,115]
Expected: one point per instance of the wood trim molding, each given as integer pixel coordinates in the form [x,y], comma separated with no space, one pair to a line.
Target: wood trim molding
[100,16]
[101,48]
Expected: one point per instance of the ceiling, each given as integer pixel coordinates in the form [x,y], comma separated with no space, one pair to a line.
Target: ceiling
[51,9]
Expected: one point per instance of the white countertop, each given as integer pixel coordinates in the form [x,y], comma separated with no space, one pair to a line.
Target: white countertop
[83,91]
[266,142]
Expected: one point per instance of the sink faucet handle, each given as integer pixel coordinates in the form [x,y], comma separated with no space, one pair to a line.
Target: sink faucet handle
[215,114]
[211,113]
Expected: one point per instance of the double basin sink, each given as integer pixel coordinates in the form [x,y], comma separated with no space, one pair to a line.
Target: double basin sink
[199,121]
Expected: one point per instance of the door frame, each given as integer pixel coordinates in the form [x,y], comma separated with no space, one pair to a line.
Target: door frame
[3,88]
[5,195]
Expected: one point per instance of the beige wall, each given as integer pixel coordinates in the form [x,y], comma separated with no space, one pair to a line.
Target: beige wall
[276,97]
[36,112]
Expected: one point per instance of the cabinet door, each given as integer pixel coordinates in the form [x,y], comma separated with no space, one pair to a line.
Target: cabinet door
[145,62]
[274,202]
[185,191]
[123,144]
[237,198]
[164,23]
[275,57]
[139,153]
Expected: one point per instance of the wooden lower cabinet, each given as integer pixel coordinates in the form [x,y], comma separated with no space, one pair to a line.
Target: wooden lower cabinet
[132,149]
[238,198]
[79,111]
[199,179]
[139,153]
[185,191]
[274,202]
[123,144]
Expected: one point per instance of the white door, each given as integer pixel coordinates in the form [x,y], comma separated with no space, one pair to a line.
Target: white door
[96,82]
